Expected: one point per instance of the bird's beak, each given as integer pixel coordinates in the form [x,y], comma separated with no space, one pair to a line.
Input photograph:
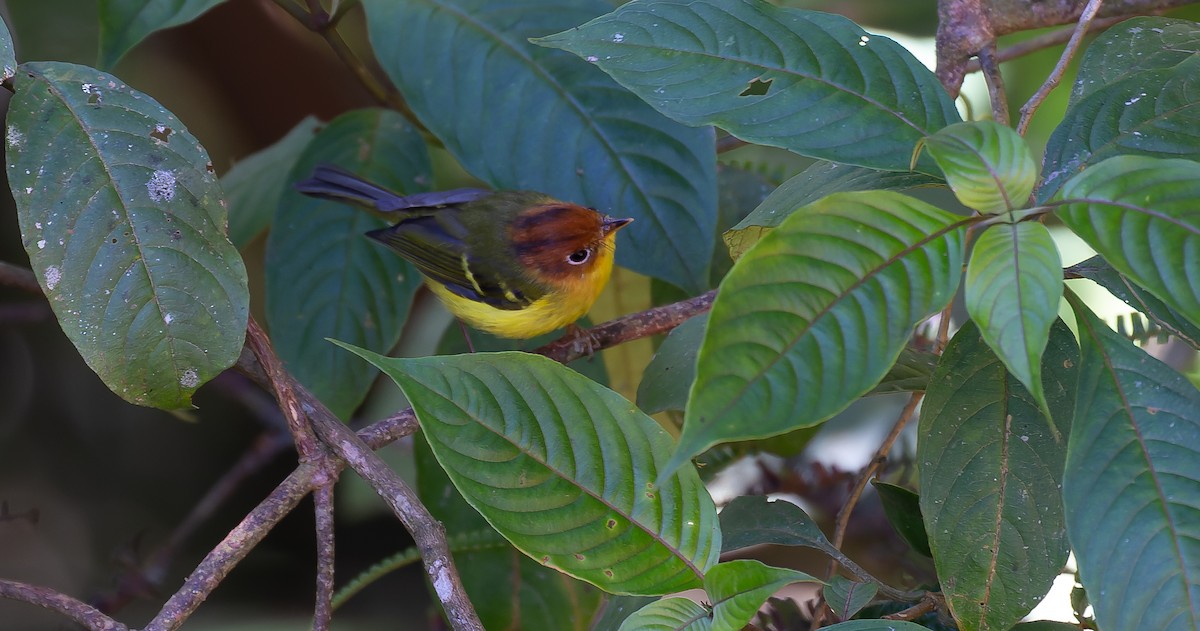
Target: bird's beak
[612,224]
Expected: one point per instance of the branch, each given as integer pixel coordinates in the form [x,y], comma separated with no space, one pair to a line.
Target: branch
[995,83]
[1035,101]
[574,345]
[47,598]
[323,612]
[1045,40]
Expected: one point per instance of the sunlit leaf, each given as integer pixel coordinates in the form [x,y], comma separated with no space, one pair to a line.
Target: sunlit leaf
[816,314]
[1132,485]
[739,587]
[990,477]
[811,82]
[520,116]
[987,165]
[532,445]
[124,224]
[669,614]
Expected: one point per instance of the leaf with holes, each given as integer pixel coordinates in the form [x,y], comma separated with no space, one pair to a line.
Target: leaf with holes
[987,165]
[324,278]
[738,588]
[1135,45]
[1013,287]
[1132,485]
[817,181]
[124,225]
[1155,113]
[811,82]
[669,614]
[124,23]
[846,597]
[562,467]
[1143,215]
[1098,270]
[519,116]
[254,185]
[816,313]
[990,475]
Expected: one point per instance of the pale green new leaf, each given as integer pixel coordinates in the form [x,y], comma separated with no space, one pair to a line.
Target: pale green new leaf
[669,614]
[987,165]
[811,82]
[1013,287]
[816,313]
[563,467]
[738,588]
[124,23]
[1132,484]
[1143,215]
[124,224]
[990,477]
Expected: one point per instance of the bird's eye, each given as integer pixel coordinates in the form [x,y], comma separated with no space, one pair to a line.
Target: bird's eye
[579,257]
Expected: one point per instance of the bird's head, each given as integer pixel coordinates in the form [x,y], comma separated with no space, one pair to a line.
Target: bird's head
[559,240]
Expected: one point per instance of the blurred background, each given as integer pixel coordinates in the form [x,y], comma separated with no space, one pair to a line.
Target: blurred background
[93,487]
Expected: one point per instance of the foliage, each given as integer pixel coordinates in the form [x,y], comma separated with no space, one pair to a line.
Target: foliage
[1031,443]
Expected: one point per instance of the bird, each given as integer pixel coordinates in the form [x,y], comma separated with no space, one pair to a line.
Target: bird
[516,264]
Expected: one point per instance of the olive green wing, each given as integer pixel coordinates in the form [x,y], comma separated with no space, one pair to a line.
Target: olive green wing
[436,244]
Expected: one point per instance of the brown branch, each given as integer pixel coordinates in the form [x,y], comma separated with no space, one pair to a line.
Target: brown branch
[47,598]
[995,83]
[323,612]
[1045,40]
[282,383]
[1051,82]
[930,602]
[574,345]
[19,277]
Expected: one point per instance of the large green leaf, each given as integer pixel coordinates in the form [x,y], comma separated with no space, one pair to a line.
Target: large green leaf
[811,82]
[817,312]
[990,476]
[738,588]
[506,588]
[253,186]
[1153,113]
[519,116]
[669,614]
[987,165]
[563,468]
[1098,270]
[751,520]
[124,23]
[125,228]
[1143,215]
[1013,287]
[1132,485]
[324,278]
[1137,44]
[817,181]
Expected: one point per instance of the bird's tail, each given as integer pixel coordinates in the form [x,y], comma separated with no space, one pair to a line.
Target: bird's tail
[330,182]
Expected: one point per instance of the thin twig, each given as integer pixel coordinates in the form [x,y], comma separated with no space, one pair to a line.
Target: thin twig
[1081,29]
[281,383]
[995,83]
[1045,40]
[572,346]
[323,612]
[931,601]
[47,598]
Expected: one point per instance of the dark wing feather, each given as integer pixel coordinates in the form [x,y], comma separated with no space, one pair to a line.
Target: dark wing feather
[331,182]
[437,244]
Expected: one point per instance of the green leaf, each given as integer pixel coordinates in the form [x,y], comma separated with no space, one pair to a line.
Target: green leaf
[1131,487]
[324,278]
[1143,216]
[910,373]
[8,57]
[124,225]
[669,614]
[903,510]
[1098,270]
[253,186]
[1152,113]
[874,625]
[670,373]
[990,475]
[846,597]
[125,23]
[811,82]
[519,116]
[817,181]
[504,585]
[1013,287]
[816,314]
[498,423]
[1136,45]
[616,609]
[987,165]
[751,520]
[738,588]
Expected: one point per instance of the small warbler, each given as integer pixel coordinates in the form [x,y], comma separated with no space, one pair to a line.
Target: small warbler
[516,264]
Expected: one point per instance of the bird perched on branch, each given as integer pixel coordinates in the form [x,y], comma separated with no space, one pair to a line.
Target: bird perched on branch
[516,264]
